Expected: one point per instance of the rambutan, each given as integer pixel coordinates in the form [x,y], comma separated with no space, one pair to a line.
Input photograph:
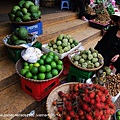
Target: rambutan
[108,101]
[85,107]
[72,113]
[103,98]
[102,117]
[89,117]
[106,91]
[97,99]
[86,90]
[60,109]
[80,112]
[96,113]
[112,111]
[86,99]
[92,101]
[99,93]
[92,95]
[69,108]
[76,87]
[67,117]
[98,105]
[108,111]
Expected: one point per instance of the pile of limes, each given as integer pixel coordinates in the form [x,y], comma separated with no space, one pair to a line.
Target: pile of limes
[48,66]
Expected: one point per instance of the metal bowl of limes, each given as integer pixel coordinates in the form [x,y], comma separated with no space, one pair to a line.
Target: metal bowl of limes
[117,114]
[38,74]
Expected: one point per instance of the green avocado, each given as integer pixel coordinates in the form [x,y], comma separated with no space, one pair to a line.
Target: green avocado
[26,18]
[15,9]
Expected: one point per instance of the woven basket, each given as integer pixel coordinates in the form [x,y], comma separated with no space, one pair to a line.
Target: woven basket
[54,96]
[19,66]
[27,23]
[93,69]
[17,46]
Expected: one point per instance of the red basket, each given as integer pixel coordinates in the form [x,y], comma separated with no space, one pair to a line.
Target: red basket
[66,64]
[39,90]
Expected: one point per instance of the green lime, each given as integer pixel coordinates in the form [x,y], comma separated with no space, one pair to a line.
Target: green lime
[36,64]
[118,117]
[56,58]
[34,70]
[59,62]
[42,68]
[35,77]
[48,68]
[26,67]
[53,64]
[26,63]
[43,57]
[30,66]
[51,53]
[48,75]
[23,71]
[41,76]
[50,56]
[41,61]
[54,72]
[118,113]
[48,60]
[28,74]
[59,67]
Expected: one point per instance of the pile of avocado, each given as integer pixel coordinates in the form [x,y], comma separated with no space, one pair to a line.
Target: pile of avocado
[19,36]
[25,11]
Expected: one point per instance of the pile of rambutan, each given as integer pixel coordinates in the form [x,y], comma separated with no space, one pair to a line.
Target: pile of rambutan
[84,102]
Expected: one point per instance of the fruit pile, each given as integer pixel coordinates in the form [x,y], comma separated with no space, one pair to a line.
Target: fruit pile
[101,75]
[113,84]
[48,66]
[25,11]
[63,43]
[87,59]
[84,102]
[117,115]
[19,36]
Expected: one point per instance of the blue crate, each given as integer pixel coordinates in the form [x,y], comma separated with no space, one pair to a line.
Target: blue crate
[32,29]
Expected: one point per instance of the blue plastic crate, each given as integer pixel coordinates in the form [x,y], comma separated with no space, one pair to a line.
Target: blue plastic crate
[32,29]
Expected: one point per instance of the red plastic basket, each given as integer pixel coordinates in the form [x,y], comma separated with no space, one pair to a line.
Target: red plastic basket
[66,64]
[39,90]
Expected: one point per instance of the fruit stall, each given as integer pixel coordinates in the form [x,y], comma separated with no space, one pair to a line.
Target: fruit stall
[102,9]
[71,81]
